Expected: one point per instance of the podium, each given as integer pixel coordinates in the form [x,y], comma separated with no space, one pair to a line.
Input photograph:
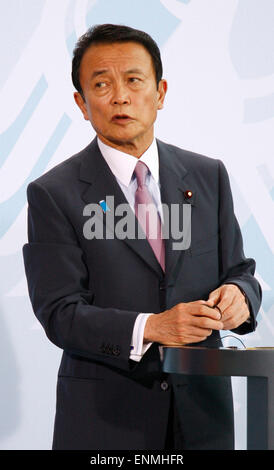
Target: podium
[257,364]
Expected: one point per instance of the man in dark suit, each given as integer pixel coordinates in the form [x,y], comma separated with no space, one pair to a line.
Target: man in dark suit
[109,301]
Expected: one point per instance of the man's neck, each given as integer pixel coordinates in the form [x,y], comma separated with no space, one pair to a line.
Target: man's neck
[128,147]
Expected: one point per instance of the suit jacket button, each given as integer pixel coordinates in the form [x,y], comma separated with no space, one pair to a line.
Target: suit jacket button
[116,351]
[164,385]
[102,348]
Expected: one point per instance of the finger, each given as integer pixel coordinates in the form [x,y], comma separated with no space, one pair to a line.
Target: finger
[200,332]
[193,330]
[235,318]
[225,304]
[214,296]
[211,304]
[193,335]
[231,309]
[219,310]
[228,297]
[197,310]
[186,341]
[197,339]
[211,312]
[233,315]
[208,323]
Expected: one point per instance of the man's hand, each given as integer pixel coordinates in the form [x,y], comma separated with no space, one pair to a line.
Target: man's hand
[231,302]
[184,323]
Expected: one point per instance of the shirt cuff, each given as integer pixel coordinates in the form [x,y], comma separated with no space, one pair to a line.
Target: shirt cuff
[138,348]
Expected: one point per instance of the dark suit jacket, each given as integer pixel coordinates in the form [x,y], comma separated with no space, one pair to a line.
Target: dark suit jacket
[88,293]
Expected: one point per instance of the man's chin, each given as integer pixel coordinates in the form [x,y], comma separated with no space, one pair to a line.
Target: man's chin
[119,140]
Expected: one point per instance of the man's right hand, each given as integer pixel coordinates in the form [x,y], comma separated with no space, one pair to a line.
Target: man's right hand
[184,323]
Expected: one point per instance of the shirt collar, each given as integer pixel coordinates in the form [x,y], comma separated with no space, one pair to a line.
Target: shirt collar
[123,164]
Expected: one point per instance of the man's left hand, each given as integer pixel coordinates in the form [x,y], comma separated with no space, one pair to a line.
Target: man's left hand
[231,302]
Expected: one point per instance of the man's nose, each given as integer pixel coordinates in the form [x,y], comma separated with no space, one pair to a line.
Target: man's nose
[120,95]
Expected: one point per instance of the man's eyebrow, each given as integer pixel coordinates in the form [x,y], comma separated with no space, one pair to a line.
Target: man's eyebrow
[136,70]
[98,72]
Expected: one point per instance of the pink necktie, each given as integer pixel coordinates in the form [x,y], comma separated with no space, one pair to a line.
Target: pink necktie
[147,214]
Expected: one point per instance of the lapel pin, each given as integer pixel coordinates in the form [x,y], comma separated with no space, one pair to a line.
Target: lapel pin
[104,205]
[188,194]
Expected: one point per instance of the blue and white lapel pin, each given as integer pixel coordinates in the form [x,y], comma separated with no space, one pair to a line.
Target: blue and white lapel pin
[104,205]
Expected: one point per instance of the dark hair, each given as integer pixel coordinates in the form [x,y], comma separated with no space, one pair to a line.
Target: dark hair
[111,33]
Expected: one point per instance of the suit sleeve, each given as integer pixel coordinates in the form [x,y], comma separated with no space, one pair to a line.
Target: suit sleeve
[59,290]
[235,268]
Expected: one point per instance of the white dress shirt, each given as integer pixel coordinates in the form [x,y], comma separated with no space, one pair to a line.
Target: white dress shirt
[122,166]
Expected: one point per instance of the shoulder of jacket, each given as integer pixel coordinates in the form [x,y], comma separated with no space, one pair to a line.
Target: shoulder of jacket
[190,159]
[64,172]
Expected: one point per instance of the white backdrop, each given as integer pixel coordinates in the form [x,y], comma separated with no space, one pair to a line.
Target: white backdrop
[218,59]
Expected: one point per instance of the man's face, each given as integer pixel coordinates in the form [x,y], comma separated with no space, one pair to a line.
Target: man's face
[121,96]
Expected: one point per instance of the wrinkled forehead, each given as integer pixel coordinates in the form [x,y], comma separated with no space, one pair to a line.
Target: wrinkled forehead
[119,56]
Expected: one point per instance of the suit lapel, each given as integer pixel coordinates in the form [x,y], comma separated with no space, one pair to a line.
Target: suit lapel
[101,183]
[175,181]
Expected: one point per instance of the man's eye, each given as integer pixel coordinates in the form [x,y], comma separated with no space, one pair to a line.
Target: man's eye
[134,79]
[100,84]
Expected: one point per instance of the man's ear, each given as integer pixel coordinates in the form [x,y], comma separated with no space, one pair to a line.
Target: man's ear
[79,100]
[162,89]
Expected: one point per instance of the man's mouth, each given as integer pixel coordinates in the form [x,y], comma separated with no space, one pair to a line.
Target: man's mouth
[121,118]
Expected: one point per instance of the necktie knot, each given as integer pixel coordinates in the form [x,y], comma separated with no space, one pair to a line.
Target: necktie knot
[141,171]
